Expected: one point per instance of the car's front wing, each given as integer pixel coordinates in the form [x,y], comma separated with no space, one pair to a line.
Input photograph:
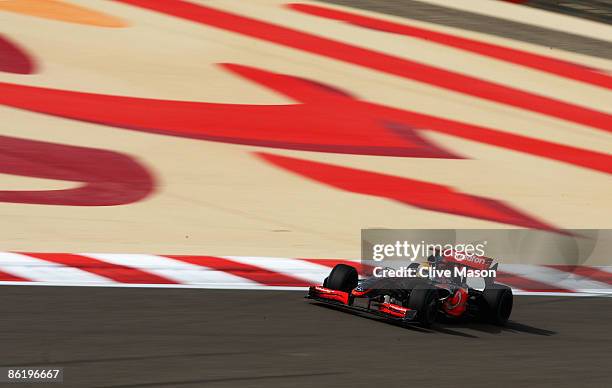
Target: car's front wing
[343,300]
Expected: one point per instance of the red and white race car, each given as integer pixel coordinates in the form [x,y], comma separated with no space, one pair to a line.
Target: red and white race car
[435,289]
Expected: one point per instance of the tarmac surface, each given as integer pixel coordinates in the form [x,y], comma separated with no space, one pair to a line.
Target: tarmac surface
[473,21]
[142,337]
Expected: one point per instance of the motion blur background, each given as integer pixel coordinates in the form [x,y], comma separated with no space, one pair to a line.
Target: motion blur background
[218,133]
[414,114]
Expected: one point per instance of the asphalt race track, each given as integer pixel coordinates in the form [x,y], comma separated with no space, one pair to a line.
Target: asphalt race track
[121,337]
[426,12]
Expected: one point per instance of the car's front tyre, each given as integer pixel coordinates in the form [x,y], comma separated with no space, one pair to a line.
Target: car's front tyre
[423,299]
[342,278]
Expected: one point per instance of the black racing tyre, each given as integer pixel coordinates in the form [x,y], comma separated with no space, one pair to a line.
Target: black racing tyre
[325,282]
[423,299]
[498,303]
[342,278]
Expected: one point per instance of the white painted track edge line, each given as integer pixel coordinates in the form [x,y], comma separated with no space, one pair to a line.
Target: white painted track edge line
[582,293]
[261,287]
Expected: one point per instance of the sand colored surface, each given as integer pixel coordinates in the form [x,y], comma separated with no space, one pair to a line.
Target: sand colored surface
[220,199]
[62,11]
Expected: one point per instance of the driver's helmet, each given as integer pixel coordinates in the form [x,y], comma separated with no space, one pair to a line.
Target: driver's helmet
[435,258]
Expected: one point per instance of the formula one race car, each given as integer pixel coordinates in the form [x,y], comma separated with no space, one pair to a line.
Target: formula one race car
[437,288]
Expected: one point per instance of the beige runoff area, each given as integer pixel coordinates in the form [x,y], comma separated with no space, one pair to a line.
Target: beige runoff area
[219,199]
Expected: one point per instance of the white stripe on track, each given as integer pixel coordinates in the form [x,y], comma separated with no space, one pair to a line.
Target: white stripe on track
[39,270]
[301,269]
[43,272]
[602,293]
[606,268]
[557,278]
[261,287]
[255,286]
[174,270]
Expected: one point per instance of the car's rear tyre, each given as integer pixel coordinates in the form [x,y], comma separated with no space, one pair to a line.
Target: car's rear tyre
[498,306]
[423,299]
[342,278]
